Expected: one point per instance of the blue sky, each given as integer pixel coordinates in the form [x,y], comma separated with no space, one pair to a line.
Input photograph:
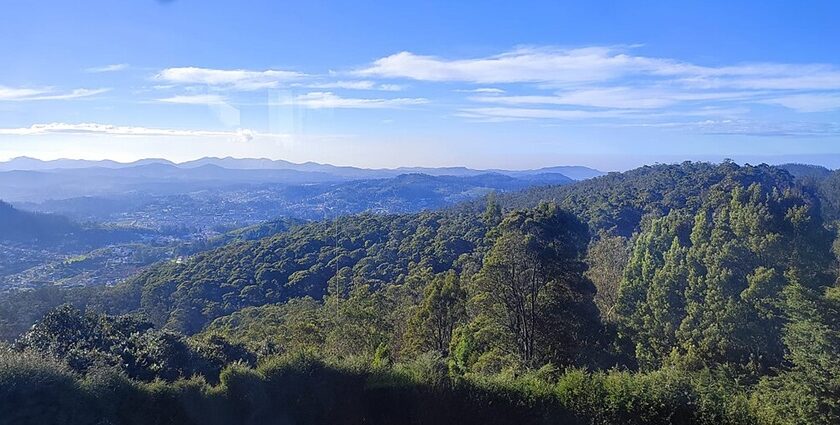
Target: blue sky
[483,84]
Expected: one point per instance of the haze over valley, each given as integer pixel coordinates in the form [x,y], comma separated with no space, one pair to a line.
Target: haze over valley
[114,218]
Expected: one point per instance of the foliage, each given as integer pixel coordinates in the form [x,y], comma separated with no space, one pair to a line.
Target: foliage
[375,249]
[710,290]
[89,341]
[443,308]
[709,287]
[619,202]
[607,259]
[304,390]
[810,391]
[532,283]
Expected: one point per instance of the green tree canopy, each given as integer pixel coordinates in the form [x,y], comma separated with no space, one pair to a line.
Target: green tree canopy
[708,287]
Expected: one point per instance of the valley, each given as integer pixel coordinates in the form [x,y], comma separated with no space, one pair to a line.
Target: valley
[120,218]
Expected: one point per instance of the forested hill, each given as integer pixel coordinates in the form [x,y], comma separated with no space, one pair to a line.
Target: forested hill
[721,308]
[828,187]
[38,230]
[303,262]
[806,171]
[17,225]
[382,248]
[617,202]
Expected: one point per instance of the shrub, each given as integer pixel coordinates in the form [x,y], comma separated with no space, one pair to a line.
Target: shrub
[38,390]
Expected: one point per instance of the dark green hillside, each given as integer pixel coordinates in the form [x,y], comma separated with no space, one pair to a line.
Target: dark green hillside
[22,226]
[302,262]
[380,249]
[37,229]
[617,202]
[415,192]
[829,190]
[806,171]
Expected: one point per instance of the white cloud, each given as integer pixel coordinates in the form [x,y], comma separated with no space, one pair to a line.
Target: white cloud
[77,93]
[538,113]
[563,67]
[197,99]
[324,100]
[746,127]
[517,114]
[482,90]
[246,135]
[108,68]
[26,94]
[617,97]
[353,85]
[115,130]
[391,87]
[602,98]
[534,65]
[765,77]
[238,79]
[807,102]
[706,111]
[609,79]
[11,93]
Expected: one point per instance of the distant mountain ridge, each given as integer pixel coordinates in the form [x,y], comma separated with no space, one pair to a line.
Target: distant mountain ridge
[347,172]
[156,178]
[25,163]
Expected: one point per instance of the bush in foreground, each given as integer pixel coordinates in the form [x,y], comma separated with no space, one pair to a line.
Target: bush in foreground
[305,390]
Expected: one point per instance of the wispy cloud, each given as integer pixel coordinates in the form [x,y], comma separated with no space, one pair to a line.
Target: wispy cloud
[48,93]
[196,99]
[604,116]
[538,113]
[325,100]
[237,79]
[354,85]
[391,87]
[12,93]
[521,65]
[108,68]
[129,131]
[603,85]
[482,90]
[765,77]
[810,102]
[580,83]
[618,97]
[599,64]
[747,127]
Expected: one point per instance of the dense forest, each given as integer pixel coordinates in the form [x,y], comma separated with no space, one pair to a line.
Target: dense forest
[96,226]
[691,293]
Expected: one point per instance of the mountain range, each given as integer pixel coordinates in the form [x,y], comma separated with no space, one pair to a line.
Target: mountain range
[345,172]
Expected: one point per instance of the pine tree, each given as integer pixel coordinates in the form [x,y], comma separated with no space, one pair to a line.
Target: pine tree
[716,296]
[809,392]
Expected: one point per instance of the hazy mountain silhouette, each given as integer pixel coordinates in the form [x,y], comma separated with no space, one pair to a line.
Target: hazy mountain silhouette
[344,172]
